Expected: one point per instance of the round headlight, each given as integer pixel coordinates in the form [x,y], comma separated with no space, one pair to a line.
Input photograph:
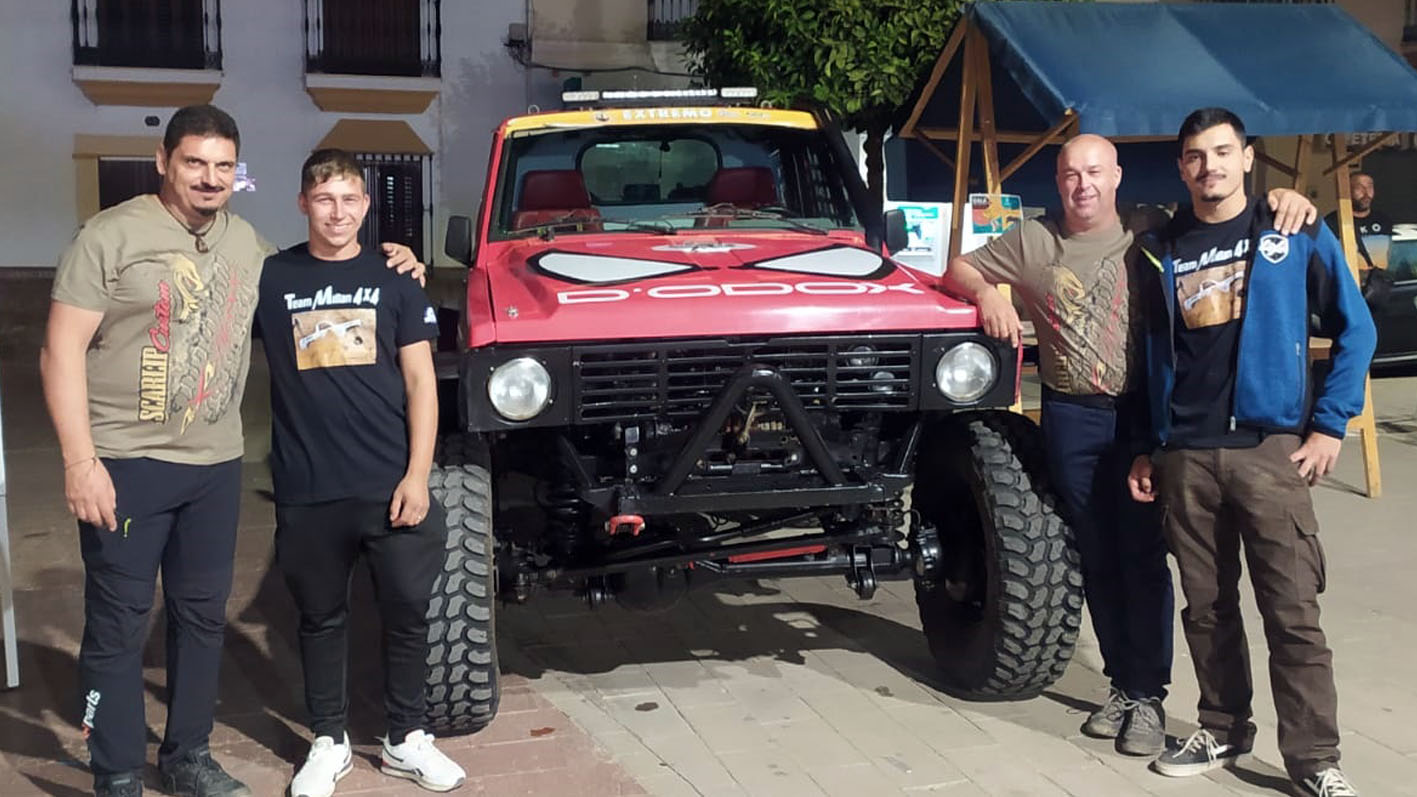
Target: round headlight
[861,357]
[519,389]
[966,372]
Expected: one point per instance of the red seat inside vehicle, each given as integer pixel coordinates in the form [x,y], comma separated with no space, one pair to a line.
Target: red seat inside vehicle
[746,187]
[550,194]
[743,186]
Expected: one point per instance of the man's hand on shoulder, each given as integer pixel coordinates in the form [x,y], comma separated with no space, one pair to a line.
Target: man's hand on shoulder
[1316,456]
[404,261]
[998,316]
[1292,210]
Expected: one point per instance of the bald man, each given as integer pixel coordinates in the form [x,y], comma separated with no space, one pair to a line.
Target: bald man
[1072,273]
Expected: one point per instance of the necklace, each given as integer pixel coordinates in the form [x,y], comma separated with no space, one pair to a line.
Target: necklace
[199,240]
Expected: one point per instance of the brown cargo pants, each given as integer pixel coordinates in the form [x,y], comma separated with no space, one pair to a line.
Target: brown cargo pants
[1213,500]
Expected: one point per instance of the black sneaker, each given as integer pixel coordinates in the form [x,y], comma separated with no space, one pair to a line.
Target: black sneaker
[1328,783]
[129,784]
[197,775]
[1199,754]
[1144,732]
[1106,722]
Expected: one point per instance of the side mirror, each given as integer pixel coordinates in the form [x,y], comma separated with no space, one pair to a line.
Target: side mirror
[896,236]
[458,243]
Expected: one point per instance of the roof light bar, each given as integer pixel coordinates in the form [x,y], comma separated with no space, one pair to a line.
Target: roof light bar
[658,94]
[727,93]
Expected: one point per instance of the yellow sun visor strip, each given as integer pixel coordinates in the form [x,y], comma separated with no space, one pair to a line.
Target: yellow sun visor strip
[658,115]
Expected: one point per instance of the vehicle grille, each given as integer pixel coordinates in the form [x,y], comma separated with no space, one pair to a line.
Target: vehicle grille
[681,378]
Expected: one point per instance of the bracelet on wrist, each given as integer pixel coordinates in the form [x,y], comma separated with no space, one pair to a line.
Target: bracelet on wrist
[69,465]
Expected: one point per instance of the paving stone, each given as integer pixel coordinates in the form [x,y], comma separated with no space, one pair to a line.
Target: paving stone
[766,773]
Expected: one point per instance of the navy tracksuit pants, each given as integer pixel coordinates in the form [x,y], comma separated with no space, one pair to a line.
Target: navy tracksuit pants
[180,521]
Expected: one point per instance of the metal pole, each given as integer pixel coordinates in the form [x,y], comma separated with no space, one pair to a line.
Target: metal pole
[7,584]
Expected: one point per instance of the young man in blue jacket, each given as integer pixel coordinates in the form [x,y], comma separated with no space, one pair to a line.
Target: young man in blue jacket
[1240,434]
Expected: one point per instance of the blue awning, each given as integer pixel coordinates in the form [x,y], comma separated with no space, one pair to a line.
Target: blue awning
[1137,69]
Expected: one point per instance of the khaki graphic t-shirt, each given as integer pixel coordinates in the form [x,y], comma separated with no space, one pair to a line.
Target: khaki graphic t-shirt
[167,366]
[1078,291]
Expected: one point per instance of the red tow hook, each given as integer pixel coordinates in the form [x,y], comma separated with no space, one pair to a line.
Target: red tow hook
[625,524]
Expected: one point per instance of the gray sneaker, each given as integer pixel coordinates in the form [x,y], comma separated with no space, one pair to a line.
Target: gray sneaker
[1198,754]
[1106,722]
[1144,732]
[1328,783]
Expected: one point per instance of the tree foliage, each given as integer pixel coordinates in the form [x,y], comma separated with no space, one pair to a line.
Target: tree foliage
[860,59]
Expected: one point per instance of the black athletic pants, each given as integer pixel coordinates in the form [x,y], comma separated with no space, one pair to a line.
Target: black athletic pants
[316,548]
[180,519]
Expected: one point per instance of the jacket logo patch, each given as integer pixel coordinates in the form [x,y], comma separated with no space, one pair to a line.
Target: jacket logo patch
[1274,247]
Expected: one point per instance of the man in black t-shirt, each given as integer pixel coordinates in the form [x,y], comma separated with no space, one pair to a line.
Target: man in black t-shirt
[1373,227]
[354,414]
[1241,438]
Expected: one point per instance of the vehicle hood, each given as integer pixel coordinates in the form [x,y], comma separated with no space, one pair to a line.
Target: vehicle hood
[631,285]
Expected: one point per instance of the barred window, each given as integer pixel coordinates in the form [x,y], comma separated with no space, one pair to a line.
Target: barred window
[398,186]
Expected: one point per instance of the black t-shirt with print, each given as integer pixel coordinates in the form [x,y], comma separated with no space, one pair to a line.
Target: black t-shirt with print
[332,331]
[1210,265]
[1374,228]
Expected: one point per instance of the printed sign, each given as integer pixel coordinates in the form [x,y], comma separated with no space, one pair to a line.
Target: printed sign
[927,227]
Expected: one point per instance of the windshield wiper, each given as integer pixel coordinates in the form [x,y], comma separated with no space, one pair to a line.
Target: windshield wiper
[547,228]
[661,227]
[775,214]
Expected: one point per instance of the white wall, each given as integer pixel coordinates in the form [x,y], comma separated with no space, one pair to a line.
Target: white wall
[263,88]
[482,85]
[40,109]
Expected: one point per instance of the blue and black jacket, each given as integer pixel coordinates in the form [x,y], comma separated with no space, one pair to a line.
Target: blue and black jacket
[1295,286]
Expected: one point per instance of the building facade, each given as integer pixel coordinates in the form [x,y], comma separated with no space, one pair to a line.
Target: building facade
[414,87]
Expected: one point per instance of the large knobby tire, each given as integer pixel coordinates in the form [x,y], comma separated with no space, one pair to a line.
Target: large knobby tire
[462,689]
[1002,608]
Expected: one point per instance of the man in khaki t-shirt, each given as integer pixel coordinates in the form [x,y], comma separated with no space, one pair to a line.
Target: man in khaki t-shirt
[1074,277]
[144,363]
[168,360]
[1079,298]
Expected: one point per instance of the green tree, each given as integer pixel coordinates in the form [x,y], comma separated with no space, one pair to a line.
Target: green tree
[860,59]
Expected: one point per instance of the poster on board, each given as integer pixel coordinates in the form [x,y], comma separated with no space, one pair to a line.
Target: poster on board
[989,216]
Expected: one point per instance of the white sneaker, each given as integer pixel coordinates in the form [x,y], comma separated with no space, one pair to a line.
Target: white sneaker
[419,761]
[327,762]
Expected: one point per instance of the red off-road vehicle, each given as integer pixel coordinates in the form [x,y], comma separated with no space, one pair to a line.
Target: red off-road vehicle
[690,356]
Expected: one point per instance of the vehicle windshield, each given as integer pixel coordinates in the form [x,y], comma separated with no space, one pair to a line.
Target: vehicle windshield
[669,178]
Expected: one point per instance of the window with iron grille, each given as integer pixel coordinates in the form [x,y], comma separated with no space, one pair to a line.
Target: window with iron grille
[373,37]
[667,16]
[163,34]
[120,179]
[398,186]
